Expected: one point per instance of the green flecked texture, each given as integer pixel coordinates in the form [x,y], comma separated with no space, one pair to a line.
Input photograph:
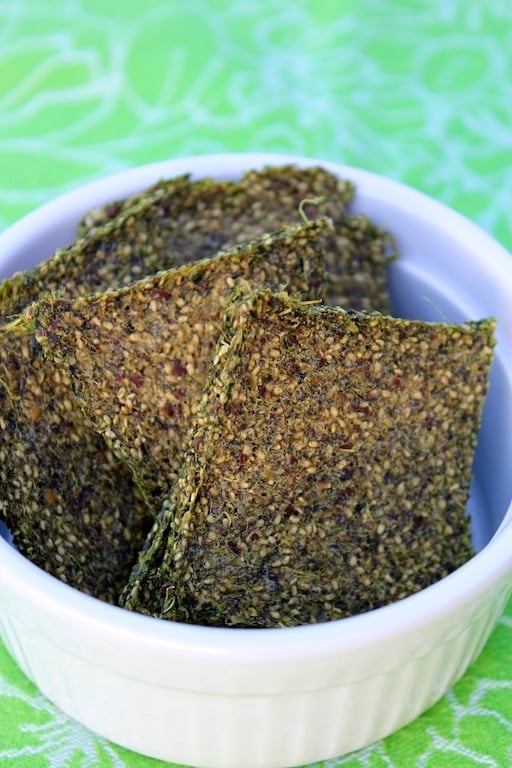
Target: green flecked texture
[202,217]
[138,356]
[120,251]
[328,468]
[72,507]
[181,220]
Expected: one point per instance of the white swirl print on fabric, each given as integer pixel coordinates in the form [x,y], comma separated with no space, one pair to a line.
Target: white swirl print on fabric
[420,92]
[52,737]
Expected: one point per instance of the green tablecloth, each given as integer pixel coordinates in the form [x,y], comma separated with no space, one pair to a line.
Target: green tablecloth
[418,90]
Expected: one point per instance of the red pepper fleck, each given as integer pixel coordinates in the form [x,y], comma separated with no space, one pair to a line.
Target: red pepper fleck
[172,410]
[112,210]
[178,368]
[160,293]
[233,546]
[136,379]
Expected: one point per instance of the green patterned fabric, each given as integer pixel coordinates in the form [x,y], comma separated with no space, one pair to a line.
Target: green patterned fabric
[420,90]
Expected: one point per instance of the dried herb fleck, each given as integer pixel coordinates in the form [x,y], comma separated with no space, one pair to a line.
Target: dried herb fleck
[328,468]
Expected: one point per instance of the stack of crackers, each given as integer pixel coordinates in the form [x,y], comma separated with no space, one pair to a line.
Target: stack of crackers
[210,415]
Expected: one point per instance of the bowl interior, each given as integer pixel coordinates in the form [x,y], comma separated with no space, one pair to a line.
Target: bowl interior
[414,296]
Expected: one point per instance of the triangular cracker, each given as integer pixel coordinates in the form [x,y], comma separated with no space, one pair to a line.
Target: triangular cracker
[138,356]
[328,469]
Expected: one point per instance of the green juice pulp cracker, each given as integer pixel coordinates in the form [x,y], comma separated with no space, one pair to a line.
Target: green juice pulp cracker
[72,507]
[180,220]
[122,250]
[328,468]
[138,356]
[202,217]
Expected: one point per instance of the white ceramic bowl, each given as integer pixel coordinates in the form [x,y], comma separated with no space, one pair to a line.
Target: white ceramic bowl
[223,698]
